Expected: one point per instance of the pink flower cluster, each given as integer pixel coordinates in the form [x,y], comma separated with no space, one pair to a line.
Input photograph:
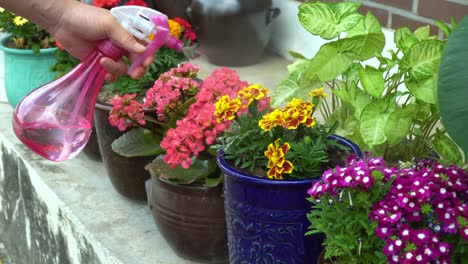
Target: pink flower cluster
[199,128]
[432,194]
[172,89]
[126,112]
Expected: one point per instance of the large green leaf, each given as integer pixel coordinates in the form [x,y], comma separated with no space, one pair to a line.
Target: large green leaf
[329,63]
[398,124]
[453,85]
[404,39]
[199,170]
[424,90]
[422,59]
[138,142]
[292,86]
[447,149]
[365,39]
[373,122]
[372,80]
[329,20]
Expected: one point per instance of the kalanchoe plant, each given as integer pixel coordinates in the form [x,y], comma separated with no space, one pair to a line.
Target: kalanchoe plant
[388,107]
[278,143]
[177,120]
[407,214]
[24,34]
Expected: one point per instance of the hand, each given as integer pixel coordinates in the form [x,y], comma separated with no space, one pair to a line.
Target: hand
[82,26]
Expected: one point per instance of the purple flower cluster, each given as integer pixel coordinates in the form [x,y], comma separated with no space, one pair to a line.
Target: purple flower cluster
[357,174]
[425,203]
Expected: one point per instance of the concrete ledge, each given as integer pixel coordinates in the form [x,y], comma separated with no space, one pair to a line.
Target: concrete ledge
[69,212]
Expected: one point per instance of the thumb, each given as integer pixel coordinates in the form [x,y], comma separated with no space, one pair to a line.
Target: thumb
[122,38]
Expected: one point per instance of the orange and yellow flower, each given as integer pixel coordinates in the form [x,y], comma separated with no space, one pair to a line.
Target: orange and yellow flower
[225,108]
[271,120]
[175,28]
[277,163]
[250,93]
[298,112]
[319,92]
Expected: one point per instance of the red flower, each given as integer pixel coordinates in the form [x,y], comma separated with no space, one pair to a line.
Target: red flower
[137,3]
[59,45]
[108,4]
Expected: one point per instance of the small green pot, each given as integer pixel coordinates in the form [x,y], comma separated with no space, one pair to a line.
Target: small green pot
[25,71]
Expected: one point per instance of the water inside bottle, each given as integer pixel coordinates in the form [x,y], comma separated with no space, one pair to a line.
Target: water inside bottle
[58,140]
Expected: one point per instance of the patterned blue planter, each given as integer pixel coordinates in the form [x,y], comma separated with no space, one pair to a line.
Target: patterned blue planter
[267,219]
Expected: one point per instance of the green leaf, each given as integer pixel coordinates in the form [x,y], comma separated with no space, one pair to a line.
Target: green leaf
[296,55]
[298,66]
[424,90]
[443,27]
[453,85]
[291,87]
[213,182]
[404,39]
[422,59]
[329,63]
[423,33]
[328,20]
[373,122]
[138,142]
[398,124]
[372,81]
[199,169]
[447,149]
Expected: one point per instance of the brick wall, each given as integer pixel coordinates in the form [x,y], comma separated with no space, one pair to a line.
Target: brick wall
[413,13]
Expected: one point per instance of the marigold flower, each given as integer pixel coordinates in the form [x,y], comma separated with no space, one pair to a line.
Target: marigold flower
[19,21]
[319,92]
[277,163]
[298,112]
[271,120]
[176,28]
[250,93]
[225,108]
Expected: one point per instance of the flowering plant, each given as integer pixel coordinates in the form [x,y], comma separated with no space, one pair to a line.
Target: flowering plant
[165,58]
[176,119]
[23,33]
[278,143]
[407,214]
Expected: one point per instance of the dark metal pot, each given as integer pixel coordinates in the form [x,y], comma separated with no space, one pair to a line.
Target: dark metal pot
[233,32]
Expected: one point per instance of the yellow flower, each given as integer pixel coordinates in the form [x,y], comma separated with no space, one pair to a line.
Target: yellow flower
[2,9]
[277,163]
[318,93]
[271,120]
[176,28]
[298,112]
[19,21]
[225,108]
[250,93]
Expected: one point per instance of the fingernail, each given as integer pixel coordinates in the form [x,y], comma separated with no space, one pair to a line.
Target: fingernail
[139,47]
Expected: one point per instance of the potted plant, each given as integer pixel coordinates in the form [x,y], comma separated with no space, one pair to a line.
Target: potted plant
[128,174]
[179,127]
[388,107]
[413,213]
[270,157]
[28,55]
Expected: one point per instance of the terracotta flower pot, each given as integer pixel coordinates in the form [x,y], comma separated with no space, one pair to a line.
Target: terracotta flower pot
[191,219]
[127,175]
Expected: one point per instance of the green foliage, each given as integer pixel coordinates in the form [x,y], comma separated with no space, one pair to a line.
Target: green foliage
[371,104]
[65,63]
[453,82]
[351,239]
[138,142]
[23,33]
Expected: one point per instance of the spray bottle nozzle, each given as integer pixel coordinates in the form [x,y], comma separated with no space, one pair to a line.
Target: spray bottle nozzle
[148,25]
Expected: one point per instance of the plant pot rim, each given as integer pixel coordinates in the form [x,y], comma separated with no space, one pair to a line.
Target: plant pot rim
[103,106]
[23,51]
[185,186]
[242,176]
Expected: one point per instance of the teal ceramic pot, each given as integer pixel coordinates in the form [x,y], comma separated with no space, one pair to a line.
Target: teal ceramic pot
[25,71]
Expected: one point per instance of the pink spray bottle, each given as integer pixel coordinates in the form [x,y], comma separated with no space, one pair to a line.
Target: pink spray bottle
[55,120]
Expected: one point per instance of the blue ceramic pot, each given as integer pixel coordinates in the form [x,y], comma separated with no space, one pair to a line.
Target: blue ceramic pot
[267,219]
